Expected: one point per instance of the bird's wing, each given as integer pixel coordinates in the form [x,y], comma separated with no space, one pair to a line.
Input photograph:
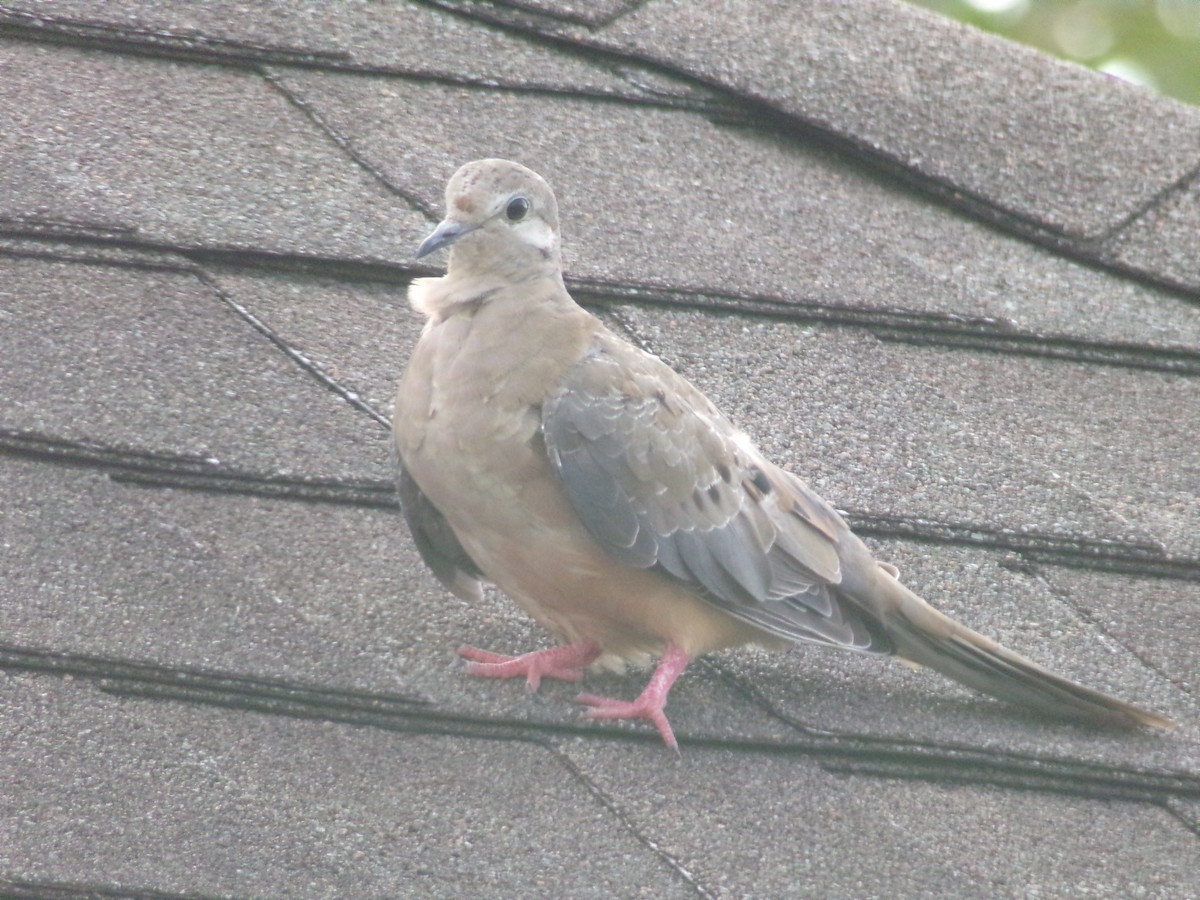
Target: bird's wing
[436,540]
[663,480]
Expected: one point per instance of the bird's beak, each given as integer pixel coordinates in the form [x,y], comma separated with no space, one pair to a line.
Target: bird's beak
[447,232]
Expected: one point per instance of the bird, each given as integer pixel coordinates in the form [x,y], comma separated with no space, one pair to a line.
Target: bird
[541,452]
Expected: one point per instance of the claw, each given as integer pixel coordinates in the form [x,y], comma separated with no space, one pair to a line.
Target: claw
[565,663]
[650,704]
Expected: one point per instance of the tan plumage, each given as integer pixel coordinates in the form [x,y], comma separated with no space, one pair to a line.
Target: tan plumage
[611,500]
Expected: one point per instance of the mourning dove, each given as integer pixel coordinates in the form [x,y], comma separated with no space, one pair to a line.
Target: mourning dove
[616,504]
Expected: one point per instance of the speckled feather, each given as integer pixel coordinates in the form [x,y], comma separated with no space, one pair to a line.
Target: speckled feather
[662,479]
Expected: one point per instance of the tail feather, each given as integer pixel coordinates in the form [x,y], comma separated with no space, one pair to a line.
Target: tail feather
[923,635]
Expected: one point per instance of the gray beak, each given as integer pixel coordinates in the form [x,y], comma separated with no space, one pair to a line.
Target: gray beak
[447,232]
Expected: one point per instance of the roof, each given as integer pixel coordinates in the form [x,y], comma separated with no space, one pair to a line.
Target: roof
[959,299]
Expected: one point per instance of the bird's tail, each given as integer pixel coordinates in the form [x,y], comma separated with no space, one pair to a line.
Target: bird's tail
[923,635]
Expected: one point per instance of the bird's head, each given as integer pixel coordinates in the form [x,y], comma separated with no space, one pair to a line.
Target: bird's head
[499,214]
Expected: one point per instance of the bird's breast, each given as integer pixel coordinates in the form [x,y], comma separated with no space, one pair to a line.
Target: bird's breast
[468,412]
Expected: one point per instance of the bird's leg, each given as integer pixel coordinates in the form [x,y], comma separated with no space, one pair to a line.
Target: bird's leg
[651,703]
[566,663]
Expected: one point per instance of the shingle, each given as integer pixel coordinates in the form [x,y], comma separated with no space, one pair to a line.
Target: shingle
[596,12]
[327,131]
[1064,453]
[959,107]
[1163,240]
[1021,443]
[335,595]
[1041,613]
[253,585]
[360,332]
[400,37]
[316,593]
[1030,445]
[783,827]
[753,215]
[183,154]
[156,360]
[1151,616]
[138,795]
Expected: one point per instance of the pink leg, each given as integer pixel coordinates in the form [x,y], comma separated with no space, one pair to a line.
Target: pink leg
[652,701]
[566,663]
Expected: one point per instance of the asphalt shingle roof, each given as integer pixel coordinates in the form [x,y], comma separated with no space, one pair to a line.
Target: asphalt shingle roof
[950,282]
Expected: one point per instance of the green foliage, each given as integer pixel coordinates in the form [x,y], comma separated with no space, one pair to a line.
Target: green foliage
[1151,42]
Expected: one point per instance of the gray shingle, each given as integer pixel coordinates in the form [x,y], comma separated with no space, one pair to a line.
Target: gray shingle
[1017,442]
[898,371]
[1043,613]
[156,360]
[316,593]
[135,795]
[178,153]
[1151,616]
[783,827]
[359,332]
[400,38]
[1164,239]
[754,214]
[959,107]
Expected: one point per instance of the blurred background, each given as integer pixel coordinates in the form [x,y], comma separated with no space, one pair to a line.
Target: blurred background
[1154,43]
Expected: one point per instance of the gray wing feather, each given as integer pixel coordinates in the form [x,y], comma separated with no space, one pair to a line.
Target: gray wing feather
[662,480]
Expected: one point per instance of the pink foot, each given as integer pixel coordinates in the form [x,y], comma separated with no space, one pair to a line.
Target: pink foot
[566,663]
[651,703]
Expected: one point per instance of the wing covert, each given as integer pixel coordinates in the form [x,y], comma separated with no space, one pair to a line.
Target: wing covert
[663,480]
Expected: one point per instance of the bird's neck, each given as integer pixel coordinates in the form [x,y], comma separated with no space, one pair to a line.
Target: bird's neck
[463,293]
[507,260]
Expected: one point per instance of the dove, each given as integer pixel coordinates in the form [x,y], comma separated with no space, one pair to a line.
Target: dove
[540,452]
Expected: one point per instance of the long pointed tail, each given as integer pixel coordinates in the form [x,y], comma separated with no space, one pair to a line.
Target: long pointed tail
[925,636]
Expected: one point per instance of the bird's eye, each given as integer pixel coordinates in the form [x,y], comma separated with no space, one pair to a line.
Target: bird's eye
[517,208]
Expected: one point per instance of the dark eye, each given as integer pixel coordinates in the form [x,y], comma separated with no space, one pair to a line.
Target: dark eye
[517,208]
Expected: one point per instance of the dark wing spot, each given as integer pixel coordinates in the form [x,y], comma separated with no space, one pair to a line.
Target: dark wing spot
[759,479]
